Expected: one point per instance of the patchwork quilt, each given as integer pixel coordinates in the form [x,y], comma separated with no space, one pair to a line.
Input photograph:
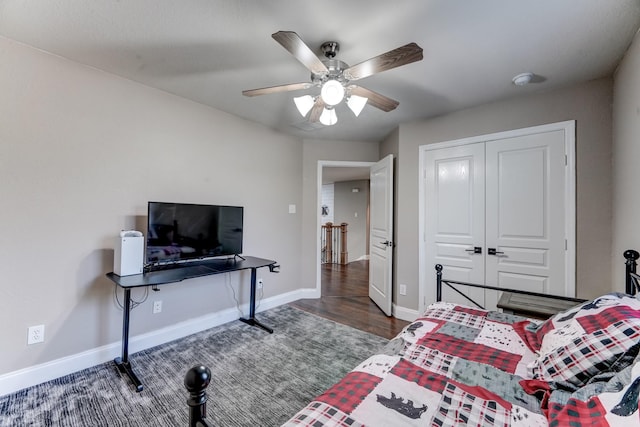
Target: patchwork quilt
[457,365]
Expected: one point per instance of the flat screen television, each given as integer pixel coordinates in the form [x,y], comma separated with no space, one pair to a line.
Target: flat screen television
[182,232]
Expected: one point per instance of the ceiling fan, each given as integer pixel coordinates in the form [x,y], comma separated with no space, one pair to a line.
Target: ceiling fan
[334,78]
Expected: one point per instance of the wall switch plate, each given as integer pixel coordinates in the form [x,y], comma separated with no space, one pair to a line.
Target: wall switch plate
[292,209]
[157,307]
[403,289]
[35,334]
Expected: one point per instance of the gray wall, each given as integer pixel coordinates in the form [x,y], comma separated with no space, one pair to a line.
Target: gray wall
[81,153]
[589,104]
[353,208]
[626,159]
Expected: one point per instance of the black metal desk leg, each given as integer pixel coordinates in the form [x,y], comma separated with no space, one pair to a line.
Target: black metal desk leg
[251,320]
[123,362]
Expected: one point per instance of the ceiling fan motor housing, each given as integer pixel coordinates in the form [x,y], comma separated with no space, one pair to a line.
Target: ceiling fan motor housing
[335,68]
[330,49]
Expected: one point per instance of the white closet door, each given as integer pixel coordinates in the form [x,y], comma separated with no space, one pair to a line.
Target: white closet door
[510,194]
[525,215]
[454,210]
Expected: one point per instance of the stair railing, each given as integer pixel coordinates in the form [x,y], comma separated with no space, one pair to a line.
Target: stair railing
[333,243]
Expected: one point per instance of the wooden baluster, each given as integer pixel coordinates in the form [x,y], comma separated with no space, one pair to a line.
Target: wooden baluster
[329,247]
[196,381]
[323,244]
[344,254]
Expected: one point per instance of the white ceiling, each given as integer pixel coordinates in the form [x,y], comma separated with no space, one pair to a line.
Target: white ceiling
[210,50]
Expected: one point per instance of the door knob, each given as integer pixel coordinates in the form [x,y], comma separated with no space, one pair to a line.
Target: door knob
[475,250]
[386,243]
[493,251]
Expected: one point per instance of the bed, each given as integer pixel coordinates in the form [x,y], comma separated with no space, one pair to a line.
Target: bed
[463,365]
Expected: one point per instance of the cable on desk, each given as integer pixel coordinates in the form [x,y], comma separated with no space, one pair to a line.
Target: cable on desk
[134,303]
[228,281]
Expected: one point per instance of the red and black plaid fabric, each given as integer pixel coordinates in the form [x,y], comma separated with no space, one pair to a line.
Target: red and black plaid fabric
[541,331]
[431,359]
[577,362]
[427,379]
[350,391]
[470,310]
[577,413]
[529,336]
[470,317]
[460,407]
[473,352]
[320,414]
[607,317]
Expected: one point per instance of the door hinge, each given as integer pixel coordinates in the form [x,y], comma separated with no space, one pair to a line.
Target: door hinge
[566,160]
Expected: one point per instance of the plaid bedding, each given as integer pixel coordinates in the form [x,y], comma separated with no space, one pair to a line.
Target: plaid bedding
[457,365]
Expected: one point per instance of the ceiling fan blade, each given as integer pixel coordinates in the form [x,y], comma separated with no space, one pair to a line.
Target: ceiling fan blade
[275,89]
[316,111]
[374,98]
[294,44]
[394,58]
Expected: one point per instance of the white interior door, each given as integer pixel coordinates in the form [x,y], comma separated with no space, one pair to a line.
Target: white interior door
[525,215]
[454,215]
[381,234]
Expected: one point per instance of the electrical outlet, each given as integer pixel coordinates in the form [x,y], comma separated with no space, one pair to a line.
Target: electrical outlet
[35,334]
[157,307]
[259,283]
[403,289]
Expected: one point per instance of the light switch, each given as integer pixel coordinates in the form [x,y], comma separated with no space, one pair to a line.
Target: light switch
[292,209]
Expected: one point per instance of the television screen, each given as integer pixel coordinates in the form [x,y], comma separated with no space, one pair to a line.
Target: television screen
[182,232]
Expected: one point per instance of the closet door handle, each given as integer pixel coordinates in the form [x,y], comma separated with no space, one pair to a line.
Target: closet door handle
[475,250]
[492,251]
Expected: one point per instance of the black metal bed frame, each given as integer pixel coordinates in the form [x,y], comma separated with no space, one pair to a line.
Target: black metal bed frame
[632,283]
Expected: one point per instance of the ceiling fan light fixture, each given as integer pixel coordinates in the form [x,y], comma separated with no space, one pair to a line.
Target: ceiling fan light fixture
[356,104]
[332,92]
[304,104]
[328,117]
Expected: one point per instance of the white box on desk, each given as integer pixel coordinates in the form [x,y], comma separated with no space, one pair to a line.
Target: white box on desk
[128,253]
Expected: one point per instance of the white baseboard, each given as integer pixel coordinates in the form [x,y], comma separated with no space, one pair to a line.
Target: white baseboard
[37,374]
[405,313]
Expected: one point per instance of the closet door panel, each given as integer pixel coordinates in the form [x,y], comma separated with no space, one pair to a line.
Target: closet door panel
[525,212]
[454,179]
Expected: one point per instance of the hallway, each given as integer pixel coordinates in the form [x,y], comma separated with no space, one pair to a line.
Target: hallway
[345,299]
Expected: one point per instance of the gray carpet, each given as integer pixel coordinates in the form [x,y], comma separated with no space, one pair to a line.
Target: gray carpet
[258,379]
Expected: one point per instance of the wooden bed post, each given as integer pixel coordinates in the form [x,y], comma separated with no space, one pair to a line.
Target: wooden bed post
[196,382]
[438,282]
[631,258]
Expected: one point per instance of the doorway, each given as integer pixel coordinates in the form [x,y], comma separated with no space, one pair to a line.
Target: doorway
[343,289]
[344,198]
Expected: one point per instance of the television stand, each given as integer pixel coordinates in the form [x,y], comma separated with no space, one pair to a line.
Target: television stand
[178,274]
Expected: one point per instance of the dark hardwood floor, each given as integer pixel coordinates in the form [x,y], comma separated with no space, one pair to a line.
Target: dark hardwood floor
[345,299]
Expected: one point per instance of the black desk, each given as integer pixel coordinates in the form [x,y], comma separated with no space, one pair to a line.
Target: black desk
[178,274]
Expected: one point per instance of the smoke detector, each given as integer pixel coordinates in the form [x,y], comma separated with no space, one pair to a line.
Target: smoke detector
[522,79]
